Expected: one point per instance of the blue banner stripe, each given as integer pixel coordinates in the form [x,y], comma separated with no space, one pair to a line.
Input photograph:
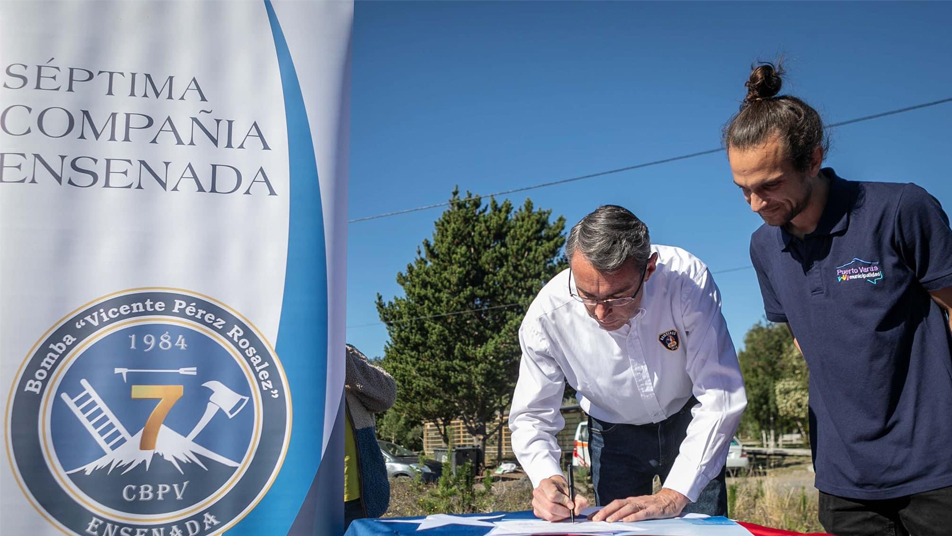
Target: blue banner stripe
[322,514]
[302,332]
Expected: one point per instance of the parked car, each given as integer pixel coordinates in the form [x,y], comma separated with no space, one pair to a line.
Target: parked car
[580,452]
[736,457]
[404,463]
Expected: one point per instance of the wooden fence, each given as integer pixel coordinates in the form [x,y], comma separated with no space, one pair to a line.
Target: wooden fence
[459,437]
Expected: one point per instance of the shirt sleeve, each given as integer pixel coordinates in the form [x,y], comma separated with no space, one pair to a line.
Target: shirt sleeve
[772,306]
[715,372]
[535,417]
[924,239]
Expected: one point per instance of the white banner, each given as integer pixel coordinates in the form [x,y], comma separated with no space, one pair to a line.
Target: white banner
[173,186]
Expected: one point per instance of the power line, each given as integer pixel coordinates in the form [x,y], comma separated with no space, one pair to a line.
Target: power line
[642,165]
[602,174]
[546,184]
[440,315]
[737,269]
[891,112]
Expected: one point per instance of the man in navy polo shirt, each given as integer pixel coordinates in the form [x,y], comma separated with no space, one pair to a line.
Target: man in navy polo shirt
[862,274]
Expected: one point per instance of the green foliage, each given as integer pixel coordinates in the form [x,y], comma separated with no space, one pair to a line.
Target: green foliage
[776,379]
[457,493]
[396,427]
[792,399]
[792,393]
[488,258]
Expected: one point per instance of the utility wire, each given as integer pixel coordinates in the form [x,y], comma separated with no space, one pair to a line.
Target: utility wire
[611,172]
[545,184]
[890,112]
[440,315]
[739,268]
[500,306]
[642,165]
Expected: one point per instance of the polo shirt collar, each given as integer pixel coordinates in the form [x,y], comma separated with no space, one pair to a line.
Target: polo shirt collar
[836,214]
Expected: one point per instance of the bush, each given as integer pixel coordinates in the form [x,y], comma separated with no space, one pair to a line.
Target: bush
[456,493]
[453,493]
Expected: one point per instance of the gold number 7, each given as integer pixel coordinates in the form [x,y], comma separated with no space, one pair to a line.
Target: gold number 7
[168,395]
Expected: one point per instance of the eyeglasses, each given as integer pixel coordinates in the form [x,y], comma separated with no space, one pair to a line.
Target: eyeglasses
[610,302]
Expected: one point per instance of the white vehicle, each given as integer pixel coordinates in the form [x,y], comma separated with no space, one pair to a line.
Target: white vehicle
[580,452]
[737,457]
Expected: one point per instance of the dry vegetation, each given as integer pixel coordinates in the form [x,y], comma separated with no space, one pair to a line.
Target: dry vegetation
[765,498]
[768,499]
[506,496]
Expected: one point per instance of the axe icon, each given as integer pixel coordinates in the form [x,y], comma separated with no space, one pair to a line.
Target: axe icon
[223,399]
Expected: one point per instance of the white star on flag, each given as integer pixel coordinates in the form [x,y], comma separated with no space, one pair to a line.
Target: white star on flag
[439,520]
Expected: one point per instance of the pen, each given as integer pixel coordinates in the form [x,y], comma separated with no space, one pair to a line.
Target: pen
[572,491]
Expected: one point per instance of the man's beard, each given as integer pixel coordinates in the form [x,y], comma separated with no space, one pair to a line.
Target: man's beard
[784,219]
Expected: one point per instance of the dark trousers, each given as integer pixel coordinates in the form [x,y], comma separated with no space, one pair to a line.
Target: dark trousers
[923,514]
[353,510]
[626,458]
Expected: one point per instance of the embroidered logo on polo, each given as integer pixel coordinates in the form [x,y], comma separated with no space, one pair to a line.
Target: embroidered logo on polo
[670,340]
[859,270]
[152,411]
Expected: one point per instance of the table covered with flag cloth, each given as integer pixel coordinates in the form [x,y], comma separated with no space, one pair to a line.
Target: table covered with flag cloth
[382,527]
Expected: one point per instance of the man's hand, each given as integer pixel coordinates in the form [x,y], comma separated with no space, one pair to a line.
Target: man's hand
[666,503]
[551,501]
[943,298]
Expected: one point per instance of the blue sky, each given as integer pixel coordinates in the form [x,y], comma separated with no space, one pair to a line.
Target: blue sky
[492,96]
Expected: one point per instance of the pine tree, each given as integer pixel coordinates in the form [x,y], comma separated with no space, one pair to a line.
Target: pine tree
[454,345]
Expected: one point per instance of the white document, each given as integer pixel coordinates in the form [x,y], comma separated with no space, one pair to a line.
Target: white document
[688,525]
[592,510]
[582,526]
[692,525]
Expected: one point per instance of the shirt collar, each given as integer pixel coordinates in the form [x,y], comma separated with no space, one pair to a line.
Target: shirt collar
[836,214]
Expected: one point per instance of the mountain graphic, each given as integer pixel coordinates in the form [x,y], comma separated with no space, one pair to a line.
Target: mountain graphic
[169,446]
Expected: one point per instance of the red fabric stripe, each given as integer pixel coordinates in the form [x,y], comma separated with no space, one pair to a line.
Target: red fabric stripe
[758,530]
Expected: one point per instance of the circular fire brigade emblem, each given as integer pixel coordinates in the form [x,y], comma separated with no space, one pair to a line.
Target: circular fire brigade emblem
[152,411]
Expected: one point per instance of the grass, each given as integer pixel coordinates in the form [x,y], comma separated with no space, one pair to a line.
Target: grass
[762,498]
[757,497]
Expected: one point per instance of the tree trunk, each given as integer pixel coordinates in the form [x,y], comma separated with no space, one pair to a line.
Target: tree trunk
[442,427]
[482,448]
[499,446]
[803,433]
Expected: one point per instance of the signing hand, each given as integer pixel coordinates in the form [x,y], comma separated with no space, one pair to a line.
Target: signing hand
[666,503]
[551,501]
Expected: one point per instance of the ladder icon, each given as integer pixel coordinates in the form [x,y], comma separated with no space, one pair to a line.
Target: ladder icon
[91,411]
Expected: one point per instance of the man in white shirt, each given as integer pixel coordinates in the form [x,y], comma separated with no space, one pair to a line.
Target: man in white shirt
[637,331]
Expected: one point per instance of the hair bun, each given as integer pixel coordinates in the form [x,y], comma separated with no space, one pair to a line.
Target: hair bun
[765,82]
